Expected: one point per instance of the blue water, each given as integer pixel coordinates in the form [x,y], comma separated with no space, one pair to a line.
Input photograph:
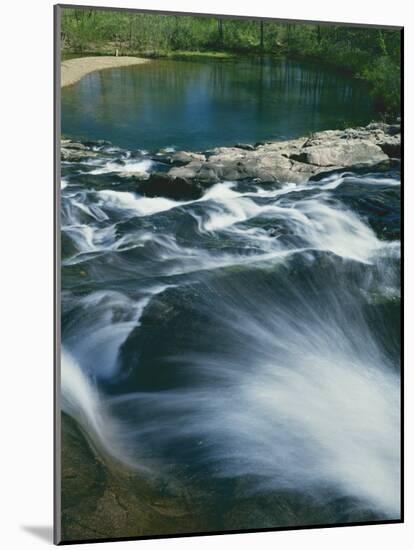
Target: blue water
[197,105]
[247,342]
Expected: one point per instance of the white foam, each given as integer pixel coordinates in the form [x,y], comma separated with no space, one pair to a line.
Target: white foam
[141,206]
[319,418]
[103,321]
[81,399]
[322,225]
[302,402]
[128,167]
[338,230]
[371,179]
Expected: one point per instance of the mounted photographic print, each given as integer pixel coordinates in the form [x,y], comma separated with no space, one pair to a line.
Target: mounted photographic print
[228,274]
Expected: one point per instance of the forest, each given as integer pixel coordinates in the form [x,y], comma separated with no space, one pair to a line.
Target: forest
[369,53]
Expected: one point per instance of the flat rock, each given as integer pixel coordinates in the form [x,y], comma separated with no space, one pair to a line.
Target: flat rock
[345,154]
[294,160]
[73,151]
[74,155]
[184,157]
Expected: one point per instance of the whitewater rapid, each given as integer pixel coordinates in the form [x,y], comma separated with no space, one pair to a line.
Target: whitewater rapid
[245,333]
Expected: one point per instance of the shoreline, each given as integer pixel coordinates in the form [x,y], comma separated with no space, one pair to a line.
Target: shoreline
[72,70]
[292,160]
[186,174]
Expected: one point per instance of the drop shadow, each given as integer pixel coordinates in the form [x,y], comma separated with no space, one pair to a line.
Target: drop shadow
[43,532]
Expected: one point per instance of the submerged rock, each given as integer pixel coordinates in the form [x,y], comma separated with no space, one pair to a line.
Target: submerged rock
[103,499]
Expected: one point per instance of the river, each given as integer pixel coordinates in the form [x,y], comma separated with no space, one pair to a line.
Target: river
[198,105]
[248,340]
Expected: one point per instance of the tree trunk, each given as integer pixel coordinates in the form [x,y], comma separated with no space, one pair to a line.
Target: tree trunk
[318,34]
[381,42]
[261,35]
[220,31]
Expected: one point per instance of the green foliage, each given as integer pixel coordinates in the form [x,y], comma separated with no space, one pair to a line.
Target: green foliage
[384,76]
[368,53]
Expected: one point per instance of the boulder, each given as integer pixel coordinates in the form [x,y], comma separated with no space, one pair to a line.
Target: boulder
[245,146]
[75,155]
[391,146]
[295,160]
[265,166]
[189,170]
[165,185]
[74,145]
[73,151]
[185,157]
[345,154]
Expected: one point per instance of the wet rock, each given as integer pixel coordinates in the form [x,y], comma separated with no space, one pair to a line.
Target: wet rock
[75,155]
[161,158]
[185,157]
[74,145]
[73,151]
[188,171]
[102,499]
[97,143]
[245,146]
[165,185]
[294,160]
[384,127]
[391,146]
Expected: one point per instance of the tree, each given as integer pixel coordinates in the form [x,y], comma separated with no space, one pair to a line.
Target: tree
[261,35]
[220,31]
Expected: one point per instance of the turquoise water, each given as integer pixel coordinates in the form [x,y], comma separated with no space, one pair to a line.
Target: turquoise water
[197,105]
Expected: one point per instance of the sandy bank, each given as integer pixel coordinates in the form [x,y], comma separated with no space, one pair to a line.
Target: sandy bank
[73,70]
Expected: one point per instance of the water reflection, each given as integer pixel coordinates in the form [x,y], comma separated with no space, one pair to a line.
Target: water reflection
[197,105]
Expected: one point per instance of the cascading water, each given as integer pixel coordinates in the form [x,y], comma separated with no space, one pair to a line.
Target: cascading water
[250,335]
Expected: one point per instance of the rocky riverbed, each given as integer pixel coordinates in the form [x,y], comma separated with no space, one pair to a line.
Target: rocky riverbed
[184,174]
[190,280]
